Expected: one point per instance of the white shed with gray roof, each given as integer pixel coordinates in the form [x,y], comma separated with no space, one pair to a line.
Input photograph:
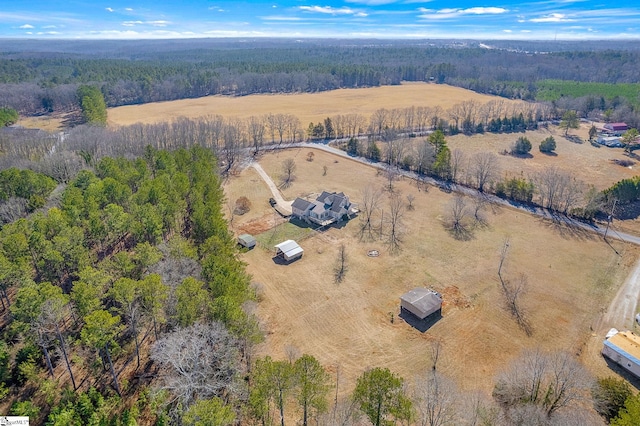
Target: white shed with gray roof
[421,302]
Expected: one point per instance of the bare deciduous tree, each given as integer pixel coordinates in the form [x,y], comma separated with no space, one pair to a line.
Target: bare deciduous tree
[425,156]
[483,168]
[256,129]
[558,190]
[197,362]
[368,208]
[436,400]
[551,382]
[391,173]
[456,219]
[457,160]
[513,291]
[396,213]
[288,170]
[340,268]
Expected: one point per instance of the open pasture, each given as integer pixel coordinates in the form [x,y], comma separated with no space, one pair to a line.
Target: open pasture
[308,107]
[571,275]
[594,165]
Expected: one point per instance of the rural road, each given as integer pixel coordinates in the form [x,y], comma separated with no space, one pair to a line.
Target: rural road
[622,309]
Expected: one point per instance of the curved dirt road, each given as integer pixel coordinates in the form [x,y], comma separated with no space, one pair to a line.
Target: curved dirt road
[284,205]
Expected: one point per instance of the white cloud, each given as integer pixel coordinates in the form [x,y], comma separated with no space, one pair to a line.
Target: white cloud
[26,26]
[552,17]
[484,11]
[28,32]
[329,10]
[128,9]
[50,26]
[450,13]
[152,23]
[507,31]
[108,9]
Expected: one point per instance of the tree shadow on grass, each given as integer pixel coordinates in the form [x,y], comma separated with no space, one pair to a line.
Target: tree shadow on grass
[420,325]
[460,232]
[567,228]
[549,153]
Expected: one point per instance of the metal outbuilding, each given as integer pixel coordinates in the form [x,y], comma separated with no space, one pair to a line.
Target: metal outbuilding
[289,250]
[421,302]
[247,240]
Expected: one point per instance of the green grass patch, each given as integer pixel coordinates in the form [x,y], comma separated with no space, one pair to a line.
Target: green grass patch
[551,90]
[284,231]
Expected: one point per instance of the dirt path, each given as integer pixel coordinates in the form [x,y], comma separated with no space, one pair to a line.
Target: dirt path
[622,309]
[282,203]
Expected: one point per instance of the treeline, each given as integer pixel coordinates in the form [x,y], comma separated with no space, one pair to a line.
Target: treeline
[135,251]
[46,82]
[550,187]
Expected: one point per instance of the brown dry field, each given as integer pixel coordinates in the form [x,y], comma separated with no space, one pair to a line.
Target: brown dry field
[588,163]
[45,122]
[572,276]
[308,107]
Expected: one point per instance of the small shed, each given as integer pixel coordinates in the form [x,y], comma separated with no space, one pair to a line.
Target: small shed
[246,240]
[421,302]
[289,250]
[623,348]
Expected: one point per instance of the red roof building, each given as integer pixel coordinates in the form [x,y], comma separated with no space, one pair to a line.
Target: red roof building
[616,127]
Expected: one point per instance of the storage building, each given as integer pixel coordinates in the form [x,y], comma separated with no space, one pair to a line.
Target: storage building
[421,302]
[246,240]
[289,250]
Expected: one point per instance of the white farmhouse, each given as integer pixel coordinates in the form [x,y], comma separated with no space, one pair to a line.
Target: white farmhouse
[327,208]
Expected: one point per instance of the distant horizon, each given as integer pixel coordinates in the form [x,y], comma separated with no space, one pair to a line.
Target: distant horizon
[559,20]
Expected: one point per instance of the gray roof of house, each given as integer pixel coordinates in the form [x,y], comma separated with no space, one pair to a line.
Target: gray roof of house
[323,197]
[300,204]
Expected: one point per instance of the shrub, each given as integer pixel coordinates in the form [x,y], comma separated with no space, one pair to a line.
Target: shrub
[548,145]
[243,205]
[609,395]
[522,146]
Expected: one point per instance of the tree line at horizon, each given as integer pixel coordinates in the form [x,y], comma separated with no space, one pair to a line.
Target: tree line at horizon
[44,83]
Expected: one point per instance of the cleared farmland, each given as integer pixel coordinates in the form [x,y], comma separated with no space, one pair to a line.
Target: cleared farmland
[308,107]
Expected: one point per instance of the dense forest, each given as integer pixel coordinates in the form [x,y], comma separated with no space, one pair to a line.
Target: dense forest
[35,78]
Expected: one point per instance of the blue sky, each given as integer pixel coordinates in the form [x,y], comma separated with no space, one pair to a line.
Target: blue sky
[483,19]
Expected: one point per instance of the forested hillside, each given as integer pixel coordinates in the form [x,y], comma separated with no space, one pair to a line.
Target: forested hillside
[136,252]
